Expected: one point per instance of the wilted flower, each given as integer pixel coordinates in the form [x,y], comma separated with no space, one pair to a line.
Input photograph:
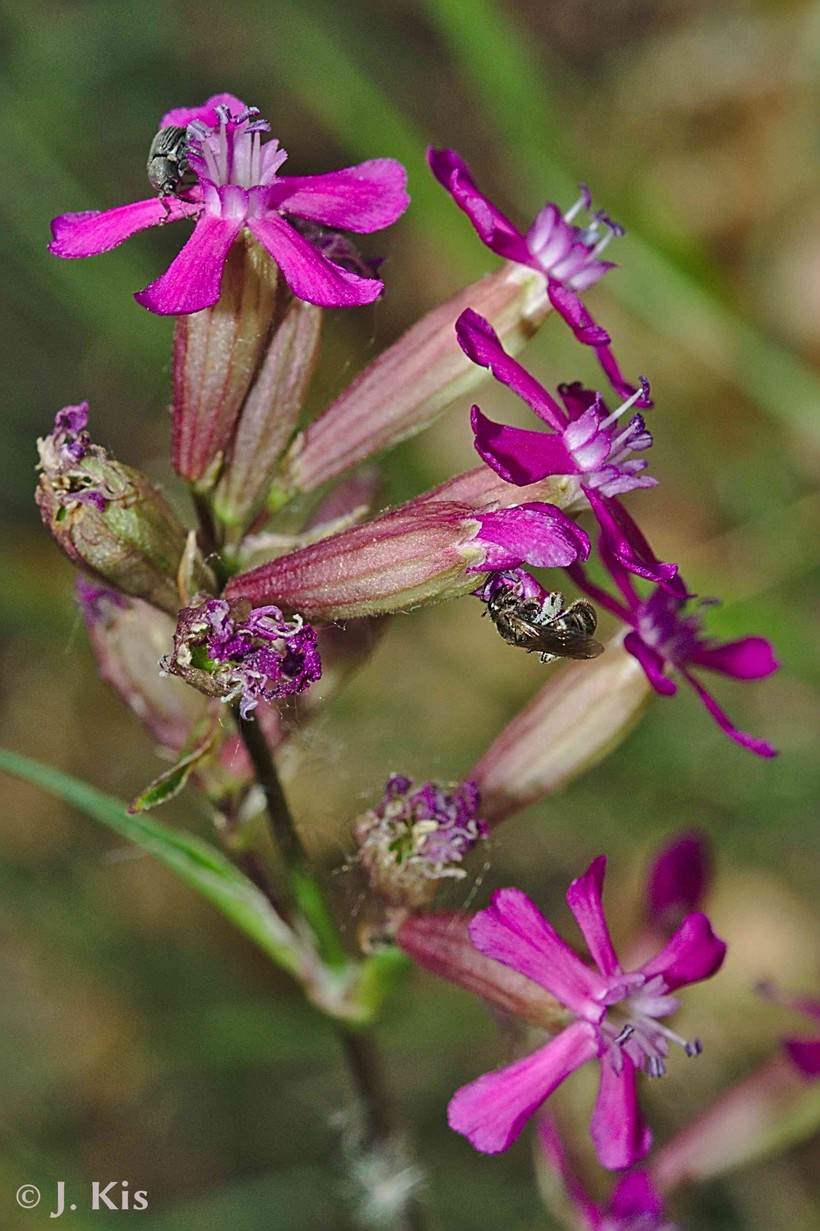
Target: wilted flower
[616,1018]
[108,518]
[238,186]
[226,650]
[567,255]
[416,837]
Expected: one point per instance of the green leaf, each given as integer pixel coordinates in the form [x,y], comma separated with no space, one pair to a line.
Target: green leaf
[197,863]
[169,784]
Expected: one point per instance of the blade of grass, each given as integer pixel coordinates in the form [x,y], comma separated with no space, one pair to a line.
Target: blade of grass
[197,863]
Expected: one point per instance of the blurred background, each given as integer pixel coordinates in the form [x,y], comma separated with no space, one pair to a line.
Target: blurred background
[141,1038]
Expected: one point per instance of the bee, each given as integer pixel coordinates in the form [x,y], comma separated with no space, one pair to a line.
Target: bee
[168,160]
[546,626]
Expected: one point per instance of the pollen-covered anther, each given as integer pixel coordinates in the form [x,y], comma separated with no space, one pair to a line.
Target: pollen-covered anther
[230,651]
[416,837]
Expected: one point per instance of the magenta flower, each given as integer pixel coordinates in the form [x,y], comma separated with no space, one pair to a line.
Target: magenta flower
[585,441]
[238,187]
[567,255]
[634,1205]
[663,637]
[616,1018]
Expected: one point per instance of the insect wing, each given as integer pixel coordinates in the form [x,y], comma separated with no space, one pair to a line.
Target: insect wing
[566,643]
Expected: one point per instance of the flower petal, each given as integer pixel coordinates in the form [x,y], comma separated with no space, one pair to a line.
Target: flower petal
[537,534]
[584,900]
[653,664]
[804,1055]
[492,1110]
[206,112]
[759,746]
[494,228]
[310,275]
[692,953]
[623,540]
[751,658]
[482,345]
[96,231]
[678,877]
[517,455]
[192,281]
[367,197]
[580,321]
[619,1133]
[634,1199]
[513,931]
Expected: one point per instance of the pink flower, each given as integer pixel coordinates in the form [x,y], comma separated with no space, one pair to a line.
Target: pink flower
[584,441]
[616,1018]
[238,187]
[567,255]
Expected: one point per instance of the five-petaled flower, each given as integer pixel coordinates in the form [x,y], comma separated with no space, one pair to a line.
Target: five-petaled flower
[585,441]
[662,636]
[568,256]
[616,1018]
[239,187]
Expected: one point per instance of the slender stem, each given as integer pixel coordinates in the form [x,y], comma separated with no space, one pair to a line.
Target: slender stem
[306,891]
[281,822]
[363,1061]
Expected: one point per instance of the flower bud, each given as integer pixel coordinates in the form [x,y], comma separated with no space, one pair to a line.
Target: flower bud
[226,650]
[217,353]
[426,551]
[127,639]
[403,390]
[109,519]
[570,724]
[441,944]
[268,416]
[416,837]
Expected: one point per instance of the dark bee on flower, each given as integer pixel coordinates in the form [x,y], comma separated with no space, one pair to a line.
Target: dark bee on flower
[545,626]
[168,160]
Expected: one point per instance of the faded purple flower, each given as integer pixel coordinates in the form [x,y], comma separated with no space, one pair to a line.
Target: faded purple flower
[585,441]
[663,637]
[238,186]
[567,255]
[418,836]
[634,1204]
[616,1019]
[229,651]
